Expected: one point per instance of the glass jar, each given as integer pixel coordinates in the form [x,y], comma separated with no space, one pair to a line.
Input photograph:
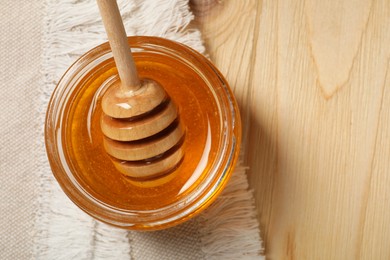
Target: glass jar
[83,169]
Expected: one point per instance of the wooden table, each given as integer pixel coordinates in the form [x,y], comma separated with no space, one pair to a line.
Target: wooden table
[312,79]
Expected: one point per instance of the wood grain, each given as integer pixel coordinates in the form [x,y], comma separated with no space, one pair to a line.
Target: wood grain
[312,79]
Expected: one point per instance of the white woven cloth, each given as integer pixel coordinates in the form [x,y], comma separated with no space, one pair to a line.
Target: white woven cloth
[37,220]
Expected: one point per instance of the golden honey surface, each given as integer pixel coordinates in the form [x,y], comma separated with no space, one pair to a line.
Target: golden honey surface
[92,166]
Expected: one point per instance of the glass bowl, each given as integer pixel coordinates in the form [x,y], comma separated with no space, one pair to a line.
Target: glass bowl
[84,171]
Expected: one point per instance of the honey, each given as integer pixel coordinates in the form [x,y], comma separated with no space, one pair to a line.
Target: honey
[207,111]
[198,111]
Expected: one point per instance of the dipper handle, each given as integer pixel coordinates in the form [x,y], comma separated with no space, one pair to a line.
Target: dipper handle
[117,38]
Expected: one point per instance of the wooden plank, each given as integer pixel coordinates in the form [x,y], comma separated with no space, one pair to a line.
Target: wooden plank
[313,82]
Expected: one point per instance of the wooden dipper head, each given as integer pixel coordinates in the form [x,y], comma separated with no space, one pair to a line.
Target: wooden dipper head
[140,123]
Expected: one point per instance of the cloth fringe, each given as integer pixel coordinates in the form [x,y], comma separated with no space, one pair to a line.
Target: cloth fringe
[63,230]
[226,234]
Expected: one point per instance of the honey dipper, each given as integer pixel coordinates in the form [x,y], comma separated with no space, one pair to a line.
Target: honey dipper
[140,123]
